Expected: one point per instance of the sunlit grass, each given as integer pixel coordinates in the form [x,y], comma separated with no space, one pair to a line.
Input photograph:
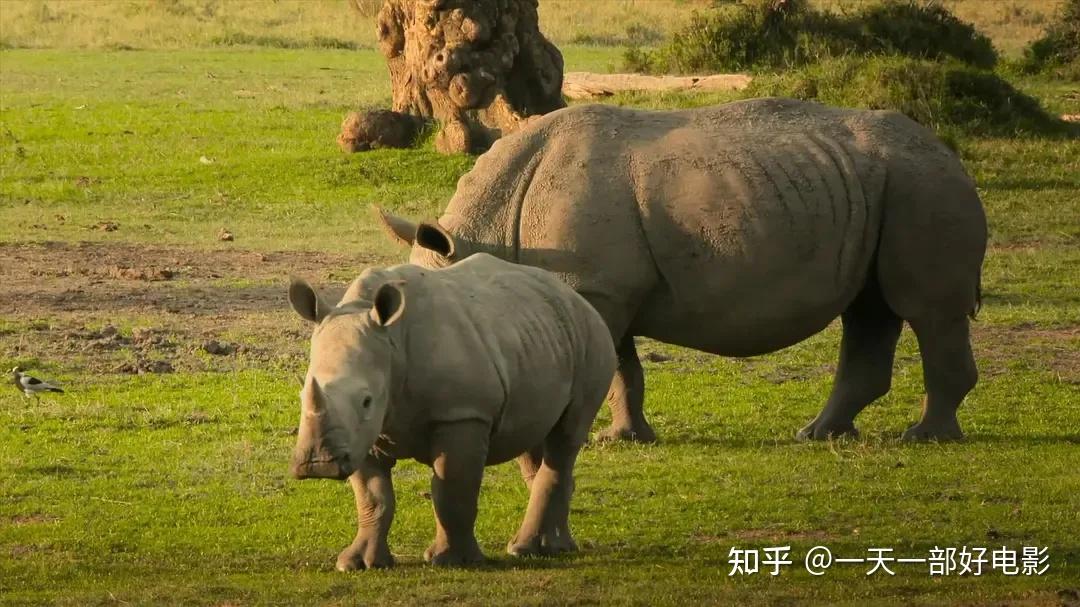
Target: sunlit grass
[172,489]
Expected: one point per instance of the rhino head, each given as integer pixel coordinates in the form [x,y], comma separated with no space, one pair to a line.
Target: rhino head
[432,246]
[347,389]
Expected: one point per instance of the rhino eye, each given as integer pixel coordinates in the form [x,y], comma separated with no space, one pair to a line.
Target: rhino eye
[367,403]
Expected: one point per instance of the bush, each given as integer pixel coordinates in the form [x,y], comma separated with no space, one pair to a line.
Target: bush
[947,96]
[923,31]
[763,34]
[733,37]
[1059,49]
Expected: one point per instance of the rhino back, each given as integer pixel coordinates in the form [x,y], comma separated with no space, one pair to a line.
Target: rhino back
[490,340]
[485,211]
[762,219]
[580,218]
[704,227]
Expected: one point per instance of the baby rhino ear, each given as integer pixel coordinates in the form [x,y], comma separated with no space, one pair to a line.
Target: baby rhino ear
[306,301]
[389,304]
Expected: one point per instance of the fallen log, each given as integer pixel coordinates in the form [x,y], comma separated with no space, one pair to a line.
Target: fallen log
[587,85]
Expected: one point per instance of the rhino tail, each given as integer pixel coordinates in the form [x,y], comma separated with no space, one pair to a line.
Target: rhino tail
[978,296]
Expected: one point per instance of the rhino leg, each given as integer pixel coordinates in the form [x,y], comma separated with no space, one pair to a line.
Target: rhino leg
[458,455]
[627,399]
[545,530]
[949,374]
[374,491]
[864,373]
[529,463]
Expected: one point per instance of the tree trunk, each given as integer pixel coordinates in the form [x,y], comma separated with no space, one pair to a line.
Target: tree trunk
[480,68]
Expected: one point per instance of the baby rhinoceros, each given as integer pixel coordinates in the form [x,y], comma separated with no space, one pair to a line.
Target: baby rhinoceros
[459,368]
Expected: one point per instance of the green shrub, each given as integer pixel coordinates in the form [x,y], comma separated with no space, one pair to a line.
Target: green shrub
[764,34]
[733,37]
[926,31]
[947,96]
[1059,49]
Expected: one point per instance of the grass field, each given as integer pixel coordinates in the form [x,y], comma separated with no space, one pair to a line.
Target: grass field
[160,477]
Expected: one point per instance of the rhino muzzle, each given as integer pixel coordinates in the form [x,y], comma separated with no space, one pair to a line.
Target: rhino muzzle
[319,463]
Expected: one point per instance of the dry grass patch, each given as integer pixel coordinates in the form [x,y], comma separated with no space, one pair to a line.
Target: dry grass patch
[121,24]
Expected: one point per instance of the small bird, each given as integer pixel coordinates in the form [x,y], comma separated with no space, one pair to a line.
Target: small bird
[31,386]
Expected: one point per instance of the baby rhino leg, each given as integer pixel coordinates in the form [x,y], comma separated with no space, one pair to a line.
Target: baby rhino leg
[374,493]
[459,452]
[545,529]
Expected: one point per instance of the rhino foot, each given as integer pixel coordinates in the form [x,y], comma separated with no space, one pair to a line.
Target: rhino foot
[934,430]
[548,544]
[642,434]
[365,554]
[820,429]
[442,556]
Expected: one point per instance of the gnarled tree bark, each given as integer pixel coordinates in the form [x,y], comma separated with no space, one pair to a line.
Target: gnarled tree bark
[479,68]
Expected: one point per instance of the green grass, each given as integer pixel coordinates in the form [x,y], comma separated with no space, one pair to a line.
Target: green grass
[172,488]
[130,148]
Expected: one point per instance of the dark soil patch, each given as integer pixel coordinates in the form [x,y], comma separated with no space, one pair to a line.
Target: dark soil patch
[69,304]
[99,277]
[1056,349]
[19,520]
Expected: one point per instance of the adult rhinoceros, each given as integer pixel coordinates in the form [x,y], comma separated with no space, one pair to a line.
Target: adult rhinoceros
[739,230]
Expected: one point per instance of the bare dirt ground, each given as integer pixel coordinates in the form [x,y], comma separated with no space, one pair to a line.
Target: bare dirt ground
[148,309]
[44,279]
[127,308]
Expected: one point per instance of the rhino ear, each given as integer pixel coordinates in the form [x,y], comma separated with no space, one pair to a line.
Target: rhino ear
[434,237]
[389,303]
[306,301]
[400,229]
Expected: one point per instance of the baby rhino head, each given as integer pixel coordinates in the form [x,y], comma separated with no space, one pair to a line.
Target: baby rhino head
[347,388]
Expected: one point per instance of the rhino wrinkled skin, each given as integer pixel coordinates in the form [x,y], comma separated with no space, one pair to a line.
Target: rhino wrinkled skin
[739,230]
[458,368]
